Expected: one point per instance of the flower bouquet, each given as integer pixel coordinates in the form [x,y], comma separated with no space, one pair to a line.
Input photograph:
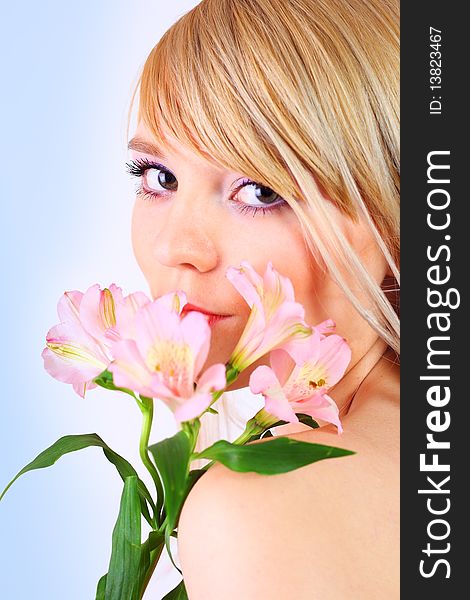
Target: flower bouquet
[156,350]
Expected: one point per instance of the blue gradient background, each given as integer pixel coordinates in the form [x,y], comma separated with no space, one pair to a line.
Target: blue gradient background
[68,72]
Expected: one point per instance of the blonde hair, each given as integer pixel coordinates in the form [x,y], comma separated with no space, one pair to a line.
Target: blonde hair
[301,96]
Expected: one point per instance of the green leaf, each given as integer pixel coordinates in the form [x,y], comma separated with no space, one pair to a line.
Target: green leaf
[151,550]
[266,434]
[278,455]
[168,534]
[193,477]
[105,380]
[122,582]
[101,588]
[171,456]
[72,443]
[155,540]
[305,419]
[178,593]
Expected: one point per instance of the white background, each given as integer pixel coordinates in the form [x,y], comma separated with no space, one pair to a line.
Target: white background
[67,72]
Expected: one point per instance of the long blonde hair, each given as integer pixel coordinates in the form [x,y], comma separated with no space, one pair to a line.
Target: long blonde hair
[301,96]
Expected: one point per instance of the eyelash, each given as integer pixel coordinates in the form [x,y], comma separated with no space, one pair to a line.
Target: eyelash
[137,168]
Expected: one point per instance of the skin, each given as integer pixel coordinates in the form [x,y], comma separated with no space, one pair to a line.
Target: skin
[334,523]
[189,237]
[326,531]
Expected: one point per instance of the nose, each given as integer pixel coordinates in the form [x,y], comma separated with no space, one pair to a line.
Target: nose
[186,236]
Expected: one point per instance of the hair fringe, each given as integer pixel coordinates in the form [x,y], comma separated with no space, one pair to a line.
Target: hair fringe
[304,97]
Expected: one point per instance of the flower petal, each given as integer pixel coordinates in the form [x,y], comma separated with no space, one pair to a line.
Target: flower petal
[287,324]
[276,287]
[154,323]
[282,364]
[81,388]
[193,407]
[173,301]
[263,380]
[196,332]
[129,369]
[126,310]
[75,346]
[323,408]
[325,327]
[246,281]
[69,306]
[97,310]
[304,349]
[213,379]
[69,371]
[335,355]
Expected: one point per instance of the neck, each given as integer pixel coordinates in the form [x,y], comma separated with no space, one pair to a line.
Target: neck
[344,391]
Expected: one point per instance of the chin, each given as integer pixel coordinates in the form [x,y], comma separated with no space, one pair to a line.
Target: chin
[224,335]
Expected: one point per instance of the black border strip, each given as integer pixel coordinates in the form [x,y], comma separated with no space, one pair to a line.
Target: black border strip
[434,134]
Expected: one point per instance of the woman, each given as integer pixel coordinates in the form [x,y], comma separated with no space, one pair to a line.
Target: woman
[268,131]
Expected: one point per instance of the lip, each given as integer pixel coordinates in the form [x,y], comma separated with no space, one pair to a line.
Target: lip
[211,317]
[192,307]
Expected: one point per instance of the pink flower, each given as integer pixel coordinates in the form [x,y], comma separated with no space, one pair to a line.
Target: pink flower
[165,357]
[300,385]
[127,309]
[79,347]
[73,356]
[275,317]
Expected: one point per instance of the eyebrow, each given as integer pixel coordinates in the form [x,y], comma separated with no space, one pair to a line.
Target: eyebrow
[140,145]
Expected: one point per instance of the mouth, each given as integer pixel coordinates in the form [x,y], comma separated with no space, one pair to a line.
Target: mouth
[211,317]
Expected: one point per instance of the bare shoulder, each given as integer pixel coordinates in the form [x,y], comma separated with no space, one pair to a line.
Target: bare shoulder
[328,530]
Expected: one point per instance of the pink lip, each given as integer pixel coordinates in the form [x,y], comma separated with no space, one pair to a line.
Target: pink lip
[188,307]
[213,317]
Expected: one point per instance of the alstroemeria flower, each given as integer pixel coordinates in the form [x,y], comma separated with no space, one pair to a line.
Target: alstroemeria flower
[79,347]
[72,354]
[165,358]
[298,380]
[128,307]
[275,316]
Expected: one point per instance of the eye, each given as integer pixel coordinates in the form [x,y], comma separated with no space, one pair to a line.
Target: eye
[251,196]
[250,192]
[156,179]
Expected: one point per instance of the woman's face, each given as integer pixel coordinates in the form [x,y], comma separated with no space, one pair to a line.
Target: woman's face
[198,224]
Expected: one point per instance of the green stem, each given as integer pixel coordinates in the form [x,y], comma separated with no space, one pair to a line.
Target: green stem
[231,374]
[154,558]
[258,424]
[146,406]
[251,429]
[191,428]
[161,529]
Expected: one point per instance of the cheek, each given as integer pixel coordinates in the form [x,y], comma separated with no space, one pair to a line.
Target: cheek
[282,243]
[141,230]
[308,280]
